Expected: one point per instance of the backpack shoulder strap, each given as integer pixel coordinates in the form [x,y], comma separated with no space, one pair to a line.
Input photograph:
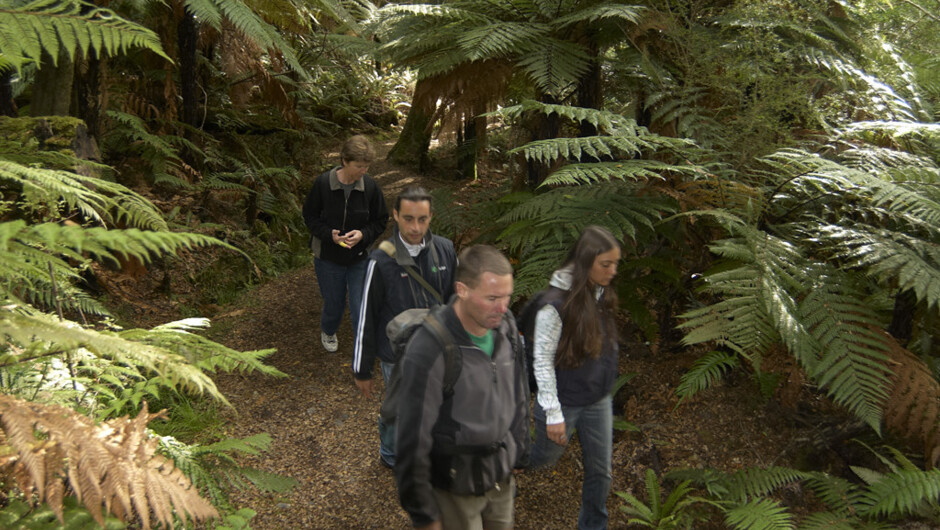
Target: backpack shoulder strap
[452,356]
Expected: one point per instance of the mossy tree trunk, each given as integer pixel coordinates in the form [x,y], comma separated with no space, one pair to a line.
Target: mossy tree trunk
[52,89]
[411,149]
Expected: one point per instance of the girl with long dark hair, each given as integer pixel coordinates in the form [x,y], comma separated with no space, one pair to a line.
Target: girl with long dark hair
[575,365]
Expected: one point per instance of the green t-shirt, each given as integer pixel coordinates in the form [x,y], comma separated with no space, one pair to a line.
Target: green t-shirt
[485,342]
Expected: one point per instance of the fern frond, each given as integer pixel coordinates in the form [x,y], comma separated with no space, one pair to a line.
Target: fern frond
[616,12]
[759,514]
[99,201]
[704,372]
[900,493]
[17,238]
[42,331]
[839,495]
[888,255]
[112,464]
[259,31]
[200,351]
[853,362]
[48,25]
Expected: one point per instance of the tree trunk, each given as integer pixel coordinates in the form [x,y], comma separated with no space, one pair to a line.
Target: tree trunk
[902,318]
[543,127]
[187,32]
[7,105]
[88,106]
[466,148]
[411,149]
[52,89]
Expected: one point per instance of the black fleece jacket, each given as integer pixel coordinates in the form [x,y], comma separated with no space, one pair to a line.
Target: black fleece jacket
[327,208]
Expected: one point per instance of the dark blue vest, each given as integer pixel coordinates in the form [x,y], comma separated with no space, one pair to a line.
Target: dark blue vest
[594,379]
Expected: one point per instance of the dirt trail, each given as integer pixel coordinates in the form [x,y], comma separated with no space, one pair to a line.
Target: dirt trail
[325,433]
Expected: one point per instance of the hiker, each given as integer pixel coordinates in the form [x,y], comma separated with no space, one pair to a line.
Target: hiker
[575,365]
[412,269]
[456,452]
[345,212]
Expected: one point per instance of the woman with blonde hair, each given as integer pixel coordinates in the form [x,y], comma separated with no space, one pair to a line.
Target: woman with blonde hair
[575,364]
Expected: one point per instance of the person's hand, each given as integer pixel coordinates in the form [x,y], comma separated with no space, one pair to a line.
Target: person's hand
[556,433]
[365,387]
[436,525]
[338,239]
[353,237]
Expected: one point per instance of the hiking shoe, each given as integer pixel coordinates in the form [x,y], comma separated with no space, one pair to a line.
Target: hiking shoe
[330,343]
[385,463]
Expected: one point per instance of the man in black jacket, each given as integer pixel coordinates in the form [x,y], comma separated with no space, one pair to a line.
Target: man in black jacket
[456,451]
[412,269]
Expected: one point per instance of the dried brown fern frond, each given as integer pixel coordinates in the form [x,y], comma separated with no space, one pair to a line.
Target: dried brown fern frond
[913,408]
[44,448]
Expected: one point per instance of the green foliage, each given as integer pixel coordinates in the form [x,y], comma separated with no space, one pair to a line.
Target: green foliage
[676,511]
[104,372]
[746,497]
[542,226]
[160,152]
[704,372]
[214,468]
[762,514]
[53,195]
[30,28]
[546,43]
[19,515]
[801,271]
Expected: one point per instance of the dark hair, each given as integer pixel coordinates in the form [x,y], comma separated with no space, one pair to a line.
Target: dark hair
[413,193]
[357,149]
[478,259]
[586,321]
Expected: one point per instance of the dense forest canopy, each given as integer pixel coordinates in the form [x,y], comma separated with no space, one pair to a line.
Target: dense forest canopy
[774,168]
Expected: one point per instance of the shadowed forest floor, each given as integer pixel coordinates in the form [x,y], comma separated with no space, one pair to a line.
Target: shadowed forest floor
[325,433]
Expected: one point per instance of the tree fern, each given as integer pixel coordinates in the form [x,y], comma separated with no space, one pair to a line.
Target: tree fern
[27,29]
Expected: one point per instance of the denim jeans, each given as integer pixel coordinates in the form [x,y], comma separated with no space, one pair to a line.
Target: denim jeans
[335,282]
[595,426]
[386,432]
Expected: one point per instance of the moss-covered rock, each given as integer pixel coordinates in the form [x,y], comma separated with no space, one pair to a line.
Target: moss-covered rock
[52,142]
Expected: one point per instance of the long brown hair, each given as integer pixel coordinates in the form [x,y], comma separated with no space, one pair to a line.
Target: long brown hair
[586,321]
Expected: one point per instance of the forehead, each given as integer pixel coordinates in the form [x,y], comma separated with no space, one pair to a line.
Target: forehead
[415,208]
[611,255]
[493,285]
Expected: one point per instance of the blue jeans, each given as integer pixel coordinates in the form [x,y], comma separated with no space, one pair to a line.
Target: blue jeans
[595,425]
[335,282]
[386,432]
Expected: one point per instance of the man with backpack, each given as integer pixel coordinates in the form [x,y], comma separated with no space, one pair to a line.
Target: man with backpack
[462,417]
[412,269]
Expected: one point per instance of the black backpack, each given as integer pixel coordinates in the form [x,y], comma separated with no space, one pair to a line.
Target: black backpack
[400,330]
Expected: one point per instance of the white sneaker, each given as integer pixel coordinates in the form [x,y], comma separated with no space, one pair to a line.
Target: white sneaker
[329,342]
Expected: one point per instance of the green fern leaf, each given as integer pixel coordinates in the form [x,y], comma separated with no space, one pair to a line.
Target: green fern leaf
[901,492]
[705,371]
[760,514]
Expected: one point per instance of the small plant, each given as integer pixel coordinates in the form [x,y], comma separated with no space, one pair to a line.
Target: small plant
[673,512]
